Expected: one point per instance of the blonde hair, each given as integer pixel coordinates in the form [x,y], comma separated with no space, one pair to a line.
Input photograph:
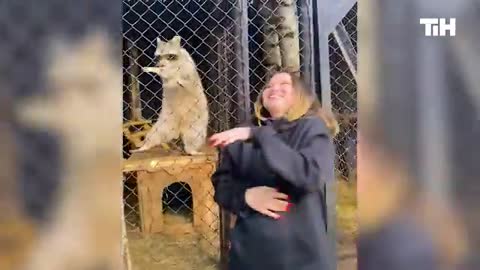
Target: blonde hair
[306,104]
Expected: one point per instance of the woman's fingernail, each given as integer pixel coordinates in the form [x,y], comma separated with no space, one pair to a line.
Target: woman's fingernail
[289,205]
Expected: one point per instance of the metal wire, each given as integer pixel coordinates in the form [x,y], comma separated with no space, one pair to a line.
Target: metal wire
[231,44]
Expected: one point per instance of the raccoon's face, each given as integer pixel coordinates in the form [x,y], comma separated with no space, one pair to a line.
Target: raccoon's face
[169,56]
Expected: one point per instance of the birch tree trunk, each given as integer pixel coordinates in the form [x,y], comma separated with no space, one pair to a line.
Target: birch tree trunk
[288,34]
[270,45]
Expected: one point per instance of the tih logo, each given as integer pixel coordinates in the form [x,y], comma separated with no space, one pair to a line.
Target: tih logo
[439,26]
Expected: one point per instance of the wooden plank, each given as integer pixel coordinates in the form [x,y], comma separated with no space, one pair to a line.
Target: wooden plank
[156,160]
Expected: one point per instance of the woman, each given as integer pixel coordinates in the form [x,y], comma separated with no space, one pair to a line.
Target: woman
[272,176]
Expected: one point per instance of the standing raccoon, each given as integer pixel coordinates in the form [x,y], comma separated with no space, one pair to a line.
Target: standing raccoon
[184,110]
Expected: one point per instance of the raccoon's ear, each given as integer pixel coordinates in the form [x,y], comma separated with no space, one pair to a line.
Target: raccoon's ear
[176,41]
[159,41]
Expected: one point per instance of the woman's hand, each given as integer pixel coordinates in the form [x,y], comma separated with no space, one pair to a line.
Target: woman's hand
[227,137]
[267,201]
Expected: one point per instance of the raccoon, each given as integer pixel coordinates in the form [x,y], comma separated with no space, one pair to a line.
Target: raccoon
[184,110]
[79,100]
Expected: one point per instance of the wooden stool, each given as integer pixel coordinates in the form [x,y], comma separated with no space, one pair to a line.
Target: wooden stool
[156,171]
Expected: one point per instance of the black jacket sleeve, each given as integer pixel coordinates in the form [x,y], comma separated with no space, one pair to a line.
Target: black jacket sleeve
[303,167]
[229,192]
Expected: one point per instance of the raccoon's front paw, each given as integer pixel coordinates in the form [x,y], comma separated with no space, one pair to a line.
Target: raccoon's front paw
[136,150]
[195,153]
[142,148]
[151,69]
[165,146]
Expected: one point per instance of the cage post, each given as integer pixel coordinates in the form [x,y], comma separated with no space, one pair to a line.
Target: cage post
[330,188]
[326,99]
[308,66]
[326,92]
[242,61]
[223,83]
[134,71]
[225,218]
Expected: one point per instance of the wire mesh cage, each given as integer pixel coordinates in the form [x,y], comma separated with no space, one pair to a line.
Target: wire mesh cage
[343,66]
[193,68]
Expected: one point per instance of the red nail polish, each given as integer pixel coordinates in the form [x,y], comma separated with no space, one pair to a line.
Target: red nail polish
[289,205]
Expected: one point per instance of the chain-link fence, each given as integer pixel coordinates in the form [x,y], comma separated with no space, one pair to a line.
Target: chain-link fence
[192,68]
[343,66]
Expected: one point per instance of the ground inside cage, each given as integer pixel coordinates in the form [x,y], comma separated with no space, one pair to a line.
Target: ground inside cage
[347,226]
[175,249]
[178,245]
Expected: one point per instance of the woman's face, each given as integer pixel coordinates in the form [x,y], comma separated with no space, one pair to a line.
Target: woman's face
[278,96]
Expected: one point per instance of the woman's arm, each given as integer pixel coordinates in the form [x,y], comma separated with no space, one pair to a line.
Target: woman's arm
[302,167]
[229,192]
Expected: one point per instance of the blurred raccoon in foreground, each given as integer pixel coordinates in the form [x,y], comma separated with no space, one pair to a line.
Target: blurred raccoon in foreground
[184,110]
[82,107]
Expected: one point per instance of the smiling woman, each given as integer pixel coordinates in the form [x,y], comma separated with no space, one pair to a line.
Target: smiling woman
[278,96]
[272,176]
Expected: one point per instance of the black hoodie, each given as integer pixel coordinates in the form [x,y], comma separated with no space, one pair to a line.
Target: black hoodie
[297,158]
